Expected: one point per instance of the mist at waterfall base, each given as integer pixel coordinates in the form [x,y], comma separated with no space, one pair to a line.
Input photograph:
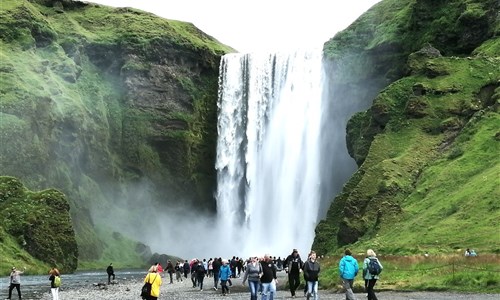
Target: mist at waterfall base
[281,159]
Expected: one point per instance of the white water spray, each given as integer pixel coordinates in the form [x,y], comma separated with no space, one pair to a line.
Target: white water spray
[273,161]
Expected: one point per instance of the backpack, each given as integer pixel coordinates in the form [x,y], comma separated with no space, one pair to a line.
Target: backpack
[146,288]
[374,267]
[57,281]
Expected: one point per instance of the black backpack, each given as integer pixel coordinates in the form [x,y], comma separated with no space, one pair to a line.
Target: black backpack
[374,267]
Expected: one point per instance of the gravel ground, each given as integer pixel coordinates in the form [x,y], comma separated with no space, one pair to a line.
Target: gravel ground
[130,290]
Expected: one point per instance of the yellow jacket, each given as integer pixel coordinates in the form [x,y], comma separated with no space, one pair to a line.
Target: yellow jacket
[155,280]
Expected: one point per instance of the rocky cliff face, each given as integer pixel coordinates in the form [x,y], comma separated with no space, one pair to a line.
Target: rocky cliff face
[431,70]
[105,103]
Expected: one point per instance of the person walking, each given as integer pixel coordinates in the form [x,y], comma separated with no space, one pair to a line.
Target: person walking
[15,281]
[186,268]
[200,273]
[54,285]
[178,271]
[311,275]
[293,266]
[111,272]
[192,266]
[155,280]
[216,265]
[348,269]
[268,280]
[224,275]
[253,274]
[372,261]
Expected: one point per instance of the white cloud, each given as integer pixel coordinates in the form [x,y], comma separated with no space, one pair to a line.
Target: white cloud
[259,25]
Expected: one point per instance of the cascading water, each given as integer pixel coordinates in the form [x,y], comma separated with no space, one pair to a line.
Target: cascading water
[274,160]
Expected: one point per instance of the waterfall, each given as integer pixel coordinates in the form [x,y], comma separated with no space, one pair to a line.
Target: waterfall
[274,151]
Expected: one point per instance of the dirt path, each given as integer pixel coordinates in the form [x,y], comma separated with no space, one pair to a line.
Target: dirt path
[129,290]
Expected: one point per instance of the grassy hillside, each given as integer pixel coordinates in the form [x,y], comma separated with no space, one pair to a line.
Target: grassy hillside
[429,180]
[95,101]
[40,223]
[427,147]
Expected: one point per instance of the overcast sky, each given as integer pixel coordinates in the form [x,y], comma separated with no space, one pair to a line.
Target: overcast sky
[259,25]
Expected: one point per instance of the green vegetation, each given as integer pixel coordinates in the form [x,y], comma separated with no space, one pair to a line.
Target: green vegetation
[121,251]
[427,148]
[95,99]
[40,223]
[418,273]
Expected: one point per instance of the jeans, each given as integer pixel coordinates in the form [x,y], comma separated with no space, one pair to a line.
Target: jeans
[268,289]
[253,286]
[347,284]
[223,284]
[216,279]
[312,290]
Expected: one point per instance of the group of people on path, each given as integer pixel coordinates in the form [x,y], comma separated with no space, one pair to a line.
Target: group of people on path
[310,268]
[259,273]
[348,269]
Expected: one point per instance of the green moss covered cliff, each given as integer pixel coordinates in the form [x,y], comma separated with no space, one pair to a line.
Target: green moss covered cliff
[427,147]
[99,102]
[38,221]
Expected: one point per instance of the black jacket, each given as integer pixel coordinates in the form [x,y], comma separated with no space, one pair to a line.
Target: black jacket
[311,270]
[268,272]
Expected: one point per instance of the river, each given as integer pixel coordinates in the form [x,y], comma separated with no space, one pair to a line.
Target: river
[34,286]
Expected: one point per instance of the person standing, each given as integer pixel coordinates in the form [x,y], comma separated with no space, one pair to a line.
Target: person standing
[111,272]
[348,269]
[371,278]
[268,279]
[224,275]
[293,266]
[54,287]
[253,274]
[15,281]
[170,270]
[155,280]
[311,274]
[159,269]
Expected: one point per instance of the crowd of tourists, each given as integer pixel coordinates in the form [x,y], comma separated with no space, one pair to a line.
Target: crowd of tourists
[258,273]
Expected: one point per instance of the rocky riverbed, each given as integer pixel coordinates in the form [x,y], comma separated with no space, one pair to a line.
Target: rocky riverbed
[130,290]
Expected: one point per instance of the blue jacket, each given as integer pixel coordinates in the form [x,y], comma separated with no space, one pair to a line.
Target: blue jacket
[348,267]
[224,272]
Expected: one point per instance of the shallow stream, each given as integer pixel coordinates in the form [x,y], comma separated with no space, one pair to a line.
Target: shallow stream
[35,286]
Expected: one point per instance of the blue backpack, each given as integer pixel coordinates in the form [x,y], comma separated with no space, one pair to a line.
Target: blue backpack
[374,267]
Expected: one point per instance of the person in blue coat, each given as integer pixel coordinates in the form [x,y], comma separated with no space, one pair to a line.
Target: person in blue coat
[224,275]
[348,269]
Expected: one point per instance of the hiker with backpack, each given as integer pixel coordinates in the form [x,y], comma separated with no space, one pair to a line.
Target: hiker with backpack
[371,271]
[55,283]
